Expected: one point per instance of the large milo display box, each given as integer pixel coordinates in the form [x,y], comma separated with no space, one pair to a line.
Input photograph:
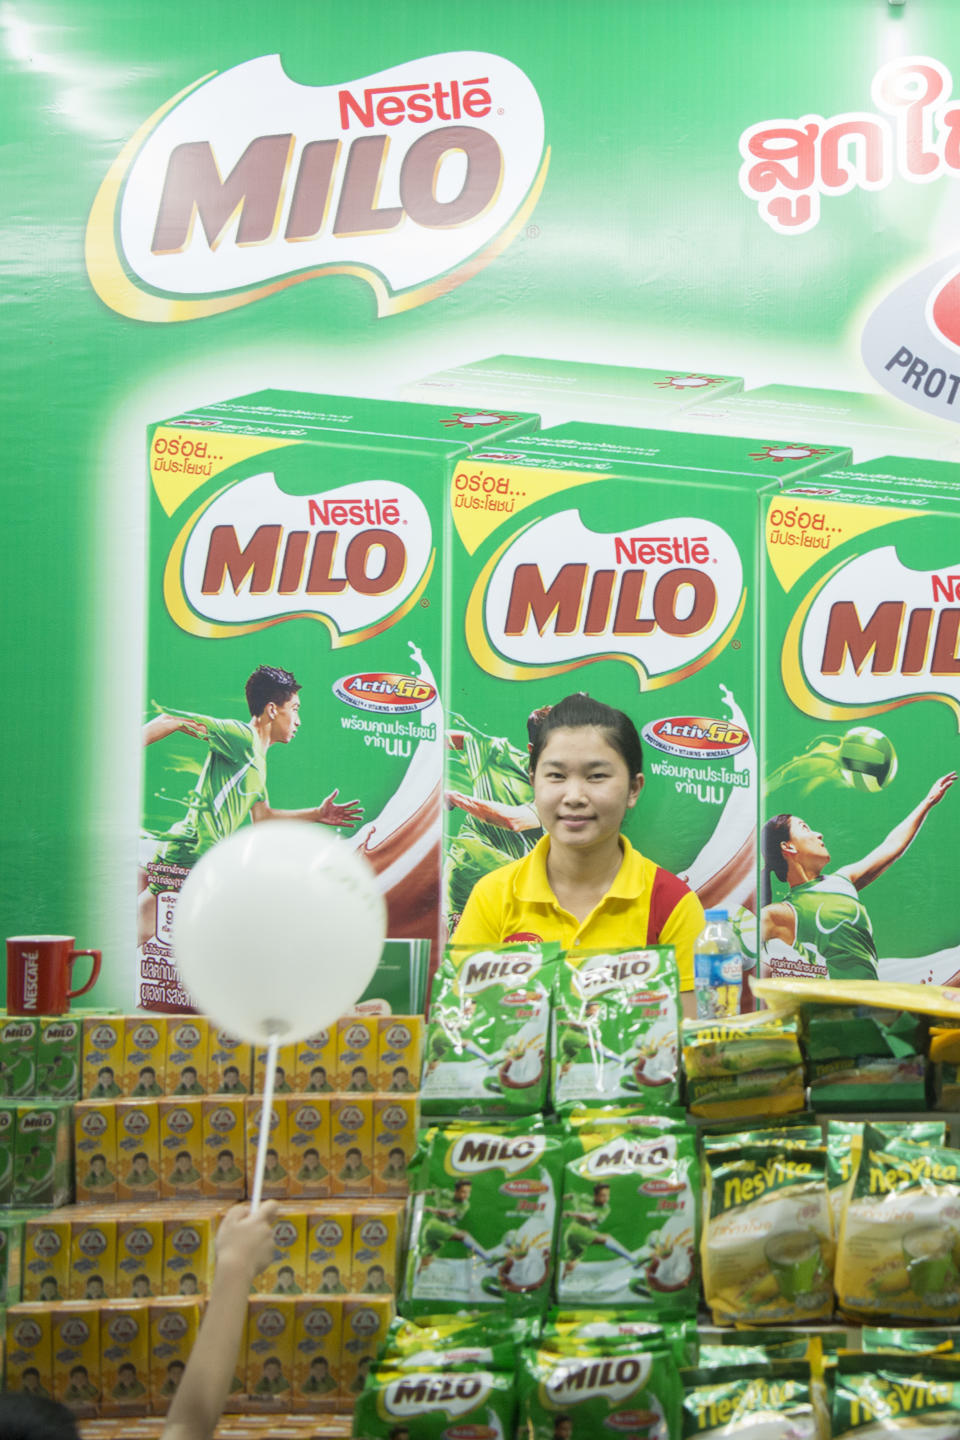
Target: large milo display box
[860,714]
[624,563]
[296,541]
[562,390]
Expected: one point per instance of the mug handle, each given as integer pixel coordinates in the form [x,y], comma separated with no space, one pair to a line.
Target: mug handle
[94,972]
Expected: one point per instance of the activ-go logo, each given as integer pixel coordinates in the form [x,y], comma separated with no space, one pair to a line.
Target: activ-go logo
[385,693]
[873,635]
[356,558]
[247,182]
[696,737]
[665,599]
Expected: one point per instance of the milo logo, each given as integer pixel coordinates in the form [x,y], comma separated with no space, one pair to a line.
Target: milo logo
[482,970]
[455,1395]
[317,1322]
[171,1326]
[479,1151]
[46,1243]
[92,1242]
[394,1117]
[373,1234]
[27,1334]
[123,1329]
[613,1379]
[64,1031]
[351,1117]
[222,1120]
[663,600]
[93,1123]
[270,1323]
[37,1121]
[17,1030]
[138,1242]
[136,1122]
[248,181]
[603,972]
[256,554]
[284,1235]
[307,1117]
[179,1121]
[328,1234]
[74,1331]
[626,1154]
[103,1037]
[187,1240]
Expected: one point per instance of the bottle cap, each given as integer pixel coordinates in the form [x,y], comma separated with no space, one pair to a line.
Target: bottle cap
[716,915]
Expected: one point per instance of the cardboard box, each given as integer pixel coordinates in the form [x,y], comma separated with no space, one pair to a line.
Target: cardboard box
[75,1340]
[286,1070]
[181,1147]
[187,1056]
[376,1247]
[229,1063]
[144,1056]
[277,1172]
[269,1382]
[329,1249]
[18,1056]
[124,1359]
[357,1046]
[287,1272]
[365,1324]
[140,1254]
[224,1147]
[317,1341]
[188,1253]
[103,1058]
[46,1258]
[29,1350]
[93,1256]
[95,1148]
[173,1331]
[42,1172]
[399,1053]
[138,1150]
[59,1057]
[351,1147]
[316,1063]
[395,1122]
[308,1139]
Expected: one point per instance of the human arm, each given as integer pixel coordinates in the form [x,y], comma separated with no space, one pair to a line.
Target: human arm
[494,812]
[778,922]
[328,812]
[163,725]
[862,872]
[244,1248]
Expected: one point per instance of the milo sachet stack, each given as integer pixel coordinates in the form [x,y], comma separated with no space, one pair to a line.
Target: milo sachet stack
[862,1058]
[742,1066]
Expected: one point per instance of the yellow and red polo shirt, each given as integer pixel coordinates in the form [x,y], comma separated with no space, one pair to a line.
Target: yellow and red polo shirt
[645,905]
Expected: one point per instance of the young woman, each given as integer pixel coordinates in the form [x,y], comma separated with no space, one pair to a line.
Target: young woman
[583,883]
[822,924]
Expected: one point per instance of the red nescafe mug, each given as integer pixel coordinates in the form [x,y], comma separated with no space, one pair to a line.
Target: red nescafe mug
[39,973]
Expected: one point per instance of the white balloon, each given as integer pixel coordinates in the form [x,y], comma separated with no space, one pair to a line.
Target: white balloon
[277,930]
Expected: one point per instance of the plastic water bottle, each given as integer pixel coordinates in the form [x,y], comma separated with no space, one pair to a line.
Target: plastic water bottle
[717,968]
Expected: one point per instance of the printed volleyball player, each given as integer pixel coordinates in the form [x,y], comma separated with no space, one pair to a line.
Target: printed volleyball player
[583,883]
[233,781]
[822,926]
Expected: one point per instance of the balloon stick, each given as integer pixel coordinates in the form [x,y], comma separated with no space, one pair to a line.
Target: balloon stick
[273,1049]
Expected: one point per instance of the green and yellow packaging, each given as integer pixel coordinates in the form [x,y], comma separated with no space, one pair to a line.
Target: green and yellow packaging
[18,1056]
[729,1400]
[620,1391]
[42,1172]
[429,1403]
[59,1053]
[876,1394]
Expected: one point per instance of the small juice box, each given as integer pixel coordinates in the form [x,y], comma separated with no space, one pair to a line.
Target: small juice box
[395,1122]
[187,1055]
[286,1070]
[75,1340]
[41,1166]
[124,1358]
[287,1272]
[308,1138]
[181,1148]
[173,1331]
[188,1254]
[95,1146]
[46,1258]
[351,1144]
[399,1053]
[269,1352]
[59,1052]
[316,1063]
[93,1257]
[18,1056]
[365,1324]
[8,1145]
[277,1171]
[144,1056]
[138,1150]
[375,1253]
[29,1350]
[357,1054]
[229,1064]
[102,1058]
[317,1331]
[329,1250]
[223,1134]
[139,1255]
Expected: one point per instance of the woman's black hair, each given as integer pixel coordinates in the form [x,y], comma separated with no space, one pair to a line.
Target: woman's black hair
[30,1417]
[773,835]
[575,711]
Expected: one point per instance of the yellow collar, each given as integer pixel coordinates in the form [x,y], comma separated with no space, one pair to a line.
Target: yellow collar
[531,884]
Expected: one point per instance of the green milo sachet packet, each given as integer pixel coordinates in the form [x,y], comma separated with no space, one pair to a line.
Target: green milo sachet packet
[629,1221]
[485,1052]
[771,1399]
[626,1392]
[454,1342]
[918,1342]
[483,1218]
[616,1029]
[435,1404]
[571,1331]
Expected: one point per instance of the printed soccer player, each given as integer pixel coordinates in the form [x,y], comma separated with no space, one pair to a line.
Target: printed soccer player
[318,1082]
[141,1173]
[147,1084]
[578,1040]
[377,1283]
[312,1171]
[450,1035]
[232,784]
[34,1172]
[232,1084]
[319,1381]
[184,1171]
[94,1290]
[395,1169]
[128,1386]
[400,1082]
[822,923]
[581,1229]
[106,1087]
[98,1176]
[443,1222]
[287,1281]
[563,1428]
[354,1169]
[330,1282]
[189,1083]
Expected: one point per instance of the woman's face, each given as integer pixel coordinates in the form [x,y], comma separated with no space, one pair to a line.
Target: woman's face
[807,845]
[582,788]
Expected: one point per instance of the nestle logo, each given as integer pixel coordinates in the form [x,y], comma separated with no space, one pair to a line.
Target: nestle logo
[661,549]
[353,512]
[419,103]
